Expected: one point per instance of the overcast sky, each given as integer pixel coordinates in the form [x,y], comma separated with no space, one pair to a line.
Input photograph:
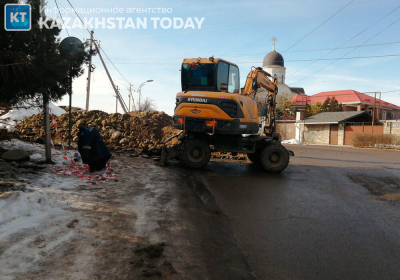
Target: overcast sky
[241,32]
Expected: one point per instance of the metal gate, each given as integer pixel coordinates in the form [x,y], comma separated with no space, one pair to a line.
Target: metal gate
[353,128]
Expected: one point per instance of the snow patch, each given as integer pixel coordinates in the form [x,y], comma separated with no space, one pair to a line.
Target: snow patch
[13,117]
[292,141]
[36,157]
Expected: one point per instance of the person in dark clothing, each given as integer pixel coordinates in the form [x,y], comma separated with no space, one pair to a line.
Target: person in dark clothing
[92,148]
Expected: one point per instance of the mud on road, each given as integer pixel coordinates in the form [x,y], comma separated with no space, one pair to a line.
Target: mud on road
[153,223]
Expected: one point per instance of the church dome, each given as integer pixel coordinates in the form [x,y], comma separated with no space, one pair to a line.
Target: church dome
[273,59]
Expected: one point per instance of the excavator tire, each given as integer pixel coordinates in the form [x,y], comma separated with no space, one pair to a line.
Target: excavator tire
[195,153]
[274,157]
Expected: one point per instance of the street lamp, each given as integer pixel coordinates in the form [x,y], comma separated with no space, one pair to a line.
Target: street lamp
[140,90]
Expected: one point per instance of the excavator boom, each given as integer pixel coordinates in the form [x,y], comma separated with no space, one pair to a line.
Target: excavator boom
[259,78]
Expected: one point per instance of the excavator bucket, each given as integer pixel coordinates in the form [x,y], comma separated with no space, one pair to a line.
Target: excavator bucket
[170,153]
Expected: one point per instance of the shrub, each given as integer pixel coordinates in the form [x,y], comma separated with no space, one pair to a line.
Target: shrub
[370,140]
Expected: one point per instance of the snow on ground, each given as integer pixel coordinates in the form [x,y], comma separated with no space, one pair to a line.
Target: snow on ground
[292,141]
[14,116]
[37,205]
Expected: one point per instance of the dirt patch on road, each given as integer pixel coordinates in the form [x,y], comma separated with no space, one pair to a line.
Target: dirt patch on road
[382,186]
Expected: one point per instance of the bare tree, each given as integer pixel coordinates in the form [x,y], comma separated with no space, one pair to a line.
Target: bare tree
[147,104]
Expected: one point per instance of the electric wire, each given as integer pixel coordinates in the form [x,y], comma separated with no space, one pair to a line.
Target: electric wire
[348,52]
[319,26]
[294,60]
[78,15]
[239,55]
[61,16]
[358,34]
[80,35]
[100,48]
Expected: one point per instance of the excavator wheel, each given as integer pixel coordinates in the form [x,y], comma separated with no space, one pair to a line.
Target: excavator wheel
[195,153]
[274,157]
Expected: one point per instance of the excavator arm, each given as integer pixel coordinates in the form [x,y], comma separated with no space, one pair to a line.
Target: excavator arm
[259,78]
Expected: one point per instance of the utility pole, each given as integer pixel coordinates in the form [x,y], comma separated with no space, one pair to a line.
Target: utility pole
[47,145]
[130,94]
[121,101]
[89,71]
[116,101]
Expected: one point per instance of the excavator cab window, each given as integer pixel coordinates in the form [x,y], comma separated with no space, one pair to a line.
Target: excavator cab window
[233,84]
[198,78]
[228,74]
[210,77]
[222,75]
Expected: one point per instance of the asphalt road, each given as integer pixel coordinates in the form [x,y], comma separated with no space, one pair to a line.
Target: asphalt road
[332,214]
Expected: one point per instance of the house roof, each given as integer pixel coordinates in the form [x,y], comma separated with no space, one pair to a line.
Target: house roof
[342,96]
[336,117]
[298,90]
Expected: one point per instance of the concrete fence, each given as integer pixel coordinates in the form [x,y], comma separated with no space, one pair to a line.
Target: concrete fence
[287,129]
[391,128]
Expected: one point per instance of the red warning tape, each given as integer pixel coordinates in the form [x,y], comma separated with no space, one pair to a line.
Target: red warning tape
[58,134]
[82,171]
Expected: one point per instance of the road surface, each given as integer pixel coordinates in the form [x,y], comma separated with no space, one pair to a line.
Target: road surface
[332,214]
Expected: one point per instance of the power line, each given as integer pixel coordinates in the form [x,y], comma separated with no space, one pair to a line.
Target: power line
[342,58]
[349,47]
[390,91]
[294,60]
[78,15]
[239,55]
[80,35]
[100,48]
[358,34]
[348,52]
[318,26]
[61,16]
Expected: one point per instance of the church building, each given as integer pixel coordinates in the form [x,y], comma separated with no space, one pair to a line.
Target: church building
[274,64]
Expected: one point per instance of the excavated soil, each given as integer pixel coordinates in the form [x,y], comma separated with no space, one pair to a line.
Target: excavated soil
[135,131]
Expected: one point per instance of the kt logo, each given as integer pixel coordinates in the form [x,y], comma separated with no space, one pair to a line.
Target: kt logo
[17,17]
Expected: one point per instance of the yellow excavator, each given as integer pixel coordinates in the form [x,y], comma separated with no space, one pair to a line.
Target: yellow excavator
[214,113]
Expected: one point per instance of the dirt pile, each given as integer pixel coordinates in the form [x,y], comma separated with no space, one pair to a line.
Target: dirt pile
[228,156]
[135,131]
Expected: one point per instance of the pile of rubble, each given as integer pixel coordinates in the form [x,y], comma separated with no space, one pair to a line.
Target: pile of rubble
[138,132]
[135,131]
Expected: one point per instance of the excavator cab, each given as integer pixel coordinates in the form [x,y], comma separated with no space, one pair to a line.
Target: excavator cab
[210,100]
[212,75]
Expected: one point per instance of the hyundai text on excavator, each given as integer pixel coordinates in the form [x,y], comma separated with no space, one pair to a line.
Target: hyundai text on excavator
[214,113]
